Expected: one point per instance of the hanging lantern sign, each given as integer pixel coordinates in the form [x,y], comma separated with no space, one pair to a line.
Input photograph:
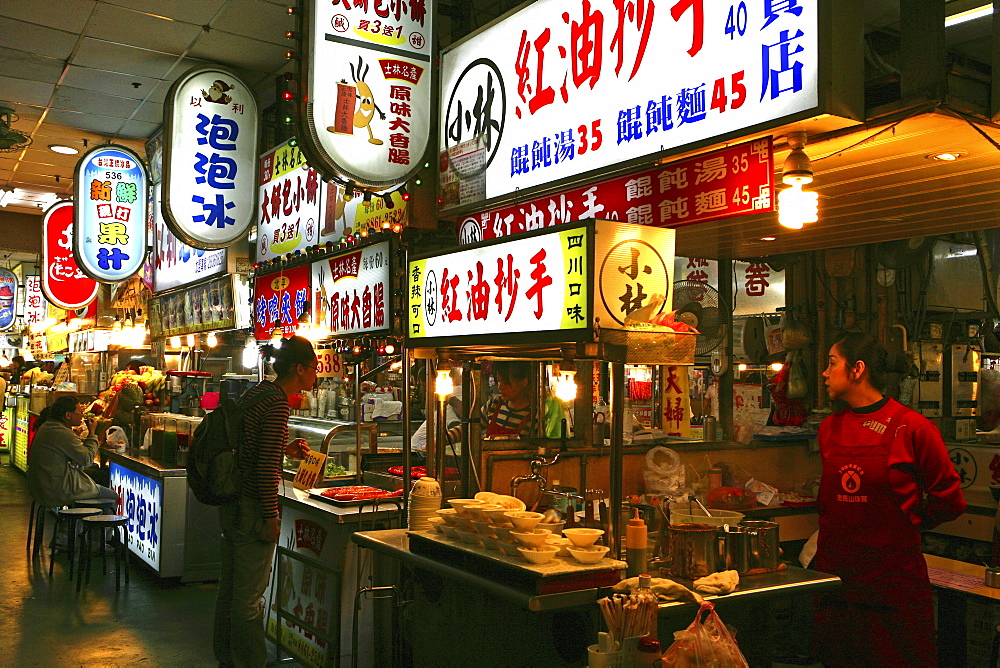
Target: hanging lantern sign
[109,219]
[8,290]
[210,158]
[366,104]
[63,283]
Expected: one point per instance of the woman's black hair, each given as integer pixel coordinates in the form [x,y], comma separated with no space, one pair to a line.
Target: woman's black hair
[508,371]
[857,346]
[294,350]
[57,411]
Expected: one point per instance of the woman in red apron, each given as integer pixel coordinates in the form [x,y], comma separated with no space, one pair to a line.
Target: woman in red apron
[886,476]
[509,415]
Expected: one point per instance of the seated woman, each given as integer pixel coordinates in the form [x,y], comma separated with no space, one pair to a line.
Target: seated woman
[509,415]
[58,457]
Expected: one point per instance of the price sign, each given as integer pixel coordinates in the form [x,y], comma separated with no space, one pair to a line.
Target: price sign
[329,364]
[310,470]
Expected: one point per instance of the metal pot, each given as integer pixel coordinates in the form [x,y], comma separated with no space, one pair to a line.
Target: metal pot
[734,548]
[763,544]
[691,550]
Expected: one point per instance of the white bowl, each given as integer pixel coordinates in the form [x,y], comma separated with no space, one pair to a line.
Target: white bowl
[523,520]
[486,497]
[581,537]
[490,542]
[532,538]
[496,513]
[436,523]
[460,504]
[484,528]
[562,543]
[503,533]
[448,515]
[538,556]
[480,511]
[509,502]
[554,527]
[590,554]
[470,537]
[510,548]
[450,531]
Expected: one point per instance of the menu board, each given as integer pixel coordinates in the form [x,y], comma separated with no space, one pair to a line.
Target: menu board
[199,308]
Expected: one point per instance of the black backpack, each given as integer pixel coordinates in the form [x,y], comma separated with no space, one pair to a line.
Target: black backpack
[212,471]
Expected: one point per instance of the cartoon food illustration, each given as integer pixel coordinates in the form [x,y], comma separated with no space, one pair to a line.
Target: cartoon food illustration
[365,109]
[336,205]
[6,297]
[217,93]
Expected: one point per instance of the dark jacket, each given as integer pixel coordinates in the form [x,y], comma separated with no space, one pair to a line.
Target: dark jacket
[55,466]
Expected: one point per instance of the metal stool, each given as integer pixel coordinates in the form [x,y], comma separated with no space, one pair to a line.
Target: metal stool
[96,524]
[71,515]
[107,506]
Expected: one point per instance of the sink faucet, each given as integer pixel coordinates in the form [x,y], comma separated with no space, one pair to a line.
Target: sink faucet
[537,465]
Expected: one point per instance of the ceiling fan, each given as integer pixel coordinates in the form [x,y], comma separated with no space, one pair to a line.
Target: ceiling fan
[11,140]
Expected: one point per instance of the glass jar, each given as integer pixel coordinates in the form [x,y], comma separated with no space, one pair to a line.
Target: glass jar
[156,442]
[169,439]
[184,432]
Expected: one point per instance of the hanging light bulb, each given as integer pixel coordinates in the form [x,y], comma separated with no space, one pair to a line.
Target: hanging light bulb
[4,360]
[251,354]
[191,340]
[566,385]
[212,340]
[442,384]
[796,206]
[175,342]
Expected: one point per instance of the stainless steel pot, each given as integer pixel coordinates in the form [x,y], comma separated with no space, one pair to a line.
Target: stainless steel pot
[734,548]
[763,544]
[691,550]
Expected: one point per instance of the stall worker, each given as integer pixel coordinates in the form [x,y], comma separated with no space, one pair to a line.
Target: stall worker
[453,412]
[251,526]
[59,458]
[509,415]
[886,476]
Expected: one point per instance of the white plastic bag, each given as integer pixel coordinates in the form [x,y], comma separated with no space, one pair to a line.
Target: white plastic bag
[664,472]
[117,440]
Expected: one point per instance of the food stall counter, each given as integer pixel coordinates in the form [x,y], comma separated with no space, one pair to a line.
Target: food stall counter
[169,529]
[968,613]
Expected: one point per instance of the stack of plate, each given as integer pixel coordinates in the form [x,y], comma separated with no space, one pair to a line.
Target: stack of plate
[425,500]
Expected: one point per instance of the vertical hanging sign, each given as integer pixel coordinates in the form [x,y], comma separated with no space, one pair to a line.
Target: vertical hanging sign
[63,283]
[210,158]
[109,219]
[8,290]
[373,125]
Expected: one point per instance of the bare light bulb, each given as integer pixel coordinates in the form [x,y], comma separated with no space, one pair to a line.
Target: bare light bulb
[566,386]
[442,384]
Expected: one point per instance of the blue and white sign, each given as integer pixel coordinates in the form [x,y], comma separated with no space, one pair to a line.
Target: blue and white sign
[174,262]
[8,290]
[142,501]
[109,219]
[210,158]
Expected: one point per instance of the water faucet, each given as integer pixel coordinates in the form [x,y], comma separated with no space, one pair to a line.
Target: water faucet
[537,465]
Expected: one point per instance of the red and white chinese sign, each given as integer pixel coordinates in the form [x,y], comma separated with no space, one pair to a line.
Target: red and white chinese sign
[279,300]
[352,291]
[34,301]
[368,88]
[63,283]
[536,284]
[757,287]
[566,87]
[732,181]
[292,201]
[676,401]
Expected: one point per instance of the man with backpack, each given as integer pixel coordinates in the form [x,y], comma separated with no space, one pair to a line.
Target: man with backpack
[250,523]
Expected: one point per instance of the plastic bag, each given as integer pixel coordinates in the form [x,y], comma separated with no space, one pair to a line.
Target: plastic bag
[664,473]
[704,643]
[117,440]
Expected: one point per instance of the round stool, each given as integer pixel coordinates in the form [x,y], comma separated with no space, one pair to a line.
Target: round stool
[107,506]
[70,515]
[96,525]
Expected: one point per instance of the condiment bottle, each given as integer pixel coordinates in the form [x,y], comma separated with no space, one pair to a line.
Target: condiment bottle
[648,651]
[636,541]
[714,478]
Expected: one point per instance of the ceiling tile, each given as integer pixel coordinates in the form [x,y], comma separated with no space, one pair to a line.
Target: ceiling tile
[149,113]
[69,15]
[101,125]
[235,50]
[124,59]
[258,19]
[91,102]
[30,66]
[22,91]
[111,83]
[32,38]
[124,26]
[140,129]
[200,12]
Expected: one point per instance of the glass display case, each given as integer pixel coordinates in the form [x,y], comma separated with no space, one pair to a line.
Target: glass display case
[338,440]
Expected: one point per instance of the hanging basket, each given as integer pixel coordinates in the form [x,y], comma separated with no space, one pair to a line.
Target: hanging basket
[653,345]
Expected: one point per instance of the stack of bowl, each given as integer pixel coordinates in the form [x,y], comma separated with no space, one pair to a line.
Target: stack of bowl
[425,500]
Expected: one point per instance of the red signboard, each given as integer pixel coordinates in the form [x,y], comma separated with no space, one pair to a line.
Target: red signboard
[279,300]
[63,283]
[731,181]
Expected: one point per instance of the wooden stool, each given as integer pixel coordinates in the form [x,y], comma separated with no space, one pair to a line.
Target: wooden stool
[71,515]
[107,506]
[96,524]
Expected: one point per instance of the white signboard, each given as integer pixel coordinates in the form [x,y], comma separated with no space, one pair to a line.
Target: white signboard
[564,87]
[210,157]
[142,501]
[293,202]
[534,284]
[351,291]
[368,88]
[35,304]
[757,287]
[174,262]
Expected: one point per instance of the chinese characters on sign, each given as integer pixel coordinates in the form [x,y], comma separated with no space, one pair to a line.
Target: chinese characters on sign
[372,127]
[141,500]
[8,291]
[565,87]
[757,286]
[174,262]
[109,227]
[352,292]
[526,285]
[732,181]
[34,301]
[63,283]
[210,158]
[279,300]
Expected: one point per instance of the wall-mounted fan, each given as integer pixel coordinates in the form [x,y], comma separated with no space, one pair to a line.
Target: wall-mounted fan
[11,140]
[698,305]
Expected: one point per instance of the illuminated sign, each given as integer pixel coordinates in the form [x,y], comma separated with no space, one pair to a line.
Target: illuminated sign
[566,87]
[367,97]
[109,219]
[174,262]
[141,500]
[8,291]
[279,300]
[34,301]
[351,291]
[63,283]
[210,157]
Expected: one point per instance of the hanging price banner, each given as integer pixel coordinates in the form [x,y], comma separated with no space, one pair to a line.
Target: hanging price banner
[329,364]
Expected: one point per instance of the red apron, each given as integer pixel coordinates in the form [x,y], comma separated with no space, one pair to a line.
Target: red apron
[883,615]
[493,429]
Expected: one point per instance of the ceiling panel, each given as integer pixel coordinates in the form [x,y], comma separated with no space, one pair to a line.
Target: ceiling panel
[235,50]
[91,102]
[139,129]
[24,92]
[33,38]
[68,15]
[111,83]
[149,113]
[198,12]
[124,59]
[30,66]
[125,26]
[101,125]
[260,20]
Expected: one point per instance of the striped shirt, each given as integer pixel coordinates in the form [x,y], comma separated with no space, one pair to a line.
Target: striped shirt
[265,432]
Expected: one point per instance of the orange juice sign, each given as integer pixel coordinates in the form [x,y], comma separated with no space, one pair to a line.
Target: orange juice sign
[279,300]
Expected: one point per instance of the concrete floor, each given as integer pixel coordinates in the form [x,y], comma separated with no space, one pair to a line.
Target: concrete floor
[46,623]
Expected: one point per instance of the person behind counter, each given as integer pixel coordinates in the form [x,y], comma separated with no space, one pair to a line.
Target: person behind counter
[509,415]
[453,413]
[250,526]
[886,476]
[58,457]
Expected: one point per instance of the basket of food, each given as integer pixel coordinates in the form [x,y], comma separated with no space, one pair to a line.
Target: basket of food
[653,344]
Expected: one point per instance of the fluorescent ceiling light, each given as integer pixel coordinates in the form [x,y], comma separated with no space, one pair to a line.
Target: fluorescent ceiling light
[61,148]
[5,197]
[968,15]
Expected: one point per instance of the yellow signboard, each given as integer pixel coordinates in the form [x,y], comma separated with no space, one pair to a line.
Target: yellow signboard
[310,470]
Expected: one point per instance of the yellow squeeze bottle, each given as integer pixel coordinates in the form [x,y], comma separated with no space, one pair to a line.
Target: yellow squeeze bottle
[636,542]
